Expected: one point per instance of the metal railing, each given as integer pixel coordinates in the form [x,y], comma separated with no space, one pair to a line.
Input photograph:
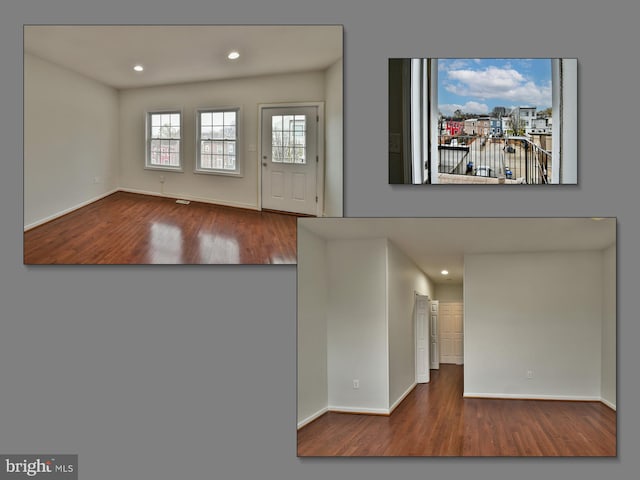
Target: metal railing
[512,158]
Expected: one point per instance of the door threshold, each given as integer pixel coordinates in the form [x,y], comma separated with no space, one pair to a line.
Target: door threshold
[293,214]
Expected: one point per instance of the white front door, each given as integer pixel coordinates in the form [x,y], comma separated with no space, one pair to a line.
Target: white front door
[433,336]
[289,159]
[421,309]
[451,333]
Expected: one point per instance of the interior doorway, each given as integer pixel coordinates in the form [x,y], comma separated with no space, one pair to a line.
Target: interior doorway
[451,332]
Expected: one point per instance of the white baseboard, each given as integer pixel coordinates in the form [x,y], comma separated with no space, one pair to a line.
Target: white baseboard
[402,397]
[312,417]
[193,198]
[532,396]
[362,410]
[68,210]
[609,404]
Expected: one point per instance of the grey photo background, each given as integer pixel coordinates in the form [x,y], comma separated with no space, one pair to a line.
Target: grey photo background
[189,372]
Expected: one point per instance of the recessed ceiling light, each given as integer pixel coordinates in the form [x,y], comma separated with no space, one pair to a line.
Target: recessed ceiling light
[138,68]
[445,272]
[233,55]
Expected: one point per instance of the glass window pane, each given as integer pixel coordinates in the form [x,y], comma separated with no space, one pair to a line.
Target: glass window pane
[300,120]
[218,161]
[276,154]
[205,160]
[155,120]
[300,156]
[230,133]
[174,146]
[287,122]
[155,132]
[286,155]
[229,162]
[229,118]
[299,139]
[287,139]
[206,132]
[175,159]
[217,147]
[205,147]
[276,123]
[218,132]
[175,132]
[276,139]
[206,118]
[218,118]
[175,120]
[166,120]
[230,148]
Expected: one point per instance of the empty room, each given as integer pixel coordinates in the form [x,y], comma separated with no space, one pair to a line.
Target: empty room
[456,337]
[184,144]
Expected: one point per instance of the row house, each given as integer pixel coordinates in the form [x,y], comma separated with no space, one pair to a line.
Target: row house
[471,126]
[496,126]
[454,127]
[484,126]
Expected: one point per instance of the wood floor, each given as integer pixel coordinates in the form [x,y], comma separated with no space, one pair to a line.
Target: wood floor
[434,420]
[127,228]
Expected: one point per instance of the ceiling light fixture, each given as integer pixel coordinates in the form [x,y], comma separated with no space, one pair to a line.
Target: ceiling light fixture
[445,272]
[138,68]
[233,55]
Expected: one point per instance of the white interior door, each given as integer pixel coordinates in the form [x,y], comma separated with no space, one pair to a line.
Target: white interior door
[421,309]
[451,333]
[289,159]
[434,341]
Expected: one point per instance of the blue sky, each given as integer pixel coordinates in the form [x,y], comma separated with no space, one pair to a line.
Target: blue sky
[476,85]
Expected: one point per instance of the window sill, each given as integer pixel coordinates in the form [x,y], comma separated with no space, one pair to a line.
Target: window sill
[164,169]
[222,173]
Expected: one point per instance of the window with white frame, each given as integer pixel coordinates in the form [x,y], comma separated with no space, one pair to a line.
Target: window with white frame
[538,162]
[164,140]
[218,134]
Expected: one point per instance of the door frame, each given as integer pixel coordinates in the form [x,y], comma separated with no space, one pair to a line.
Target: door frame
[320,149]
[425,327]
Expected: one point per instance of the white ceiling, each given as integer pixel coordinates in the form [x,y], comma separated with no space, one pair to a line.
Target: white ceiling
[435,244]
[183,53]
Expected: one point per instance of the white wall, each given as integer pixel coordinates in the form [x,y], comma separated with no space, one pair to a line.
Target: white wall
[333,141]
[404,279]
[312,326]
[245,92]
[539,312]
[449,293]
[357,346]
[609,327]
[70,140]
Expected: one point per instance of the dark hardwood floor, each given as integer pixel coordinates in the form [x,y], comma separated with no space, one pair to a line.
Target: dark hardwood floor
[128,228]
[435,420]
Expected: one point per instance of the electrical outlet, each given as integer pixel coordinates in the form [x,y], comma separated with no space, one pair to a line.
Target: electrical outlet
[356,384]
[161,178]
[529,374]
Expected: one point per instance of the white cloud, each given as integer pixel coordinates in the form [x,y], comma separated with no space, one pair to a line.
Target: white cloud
[452,64]
[503,83]
[469,107]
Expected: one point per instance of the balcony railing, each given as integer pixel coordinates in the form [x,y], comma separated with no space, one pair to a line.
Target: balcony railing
[512,158]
